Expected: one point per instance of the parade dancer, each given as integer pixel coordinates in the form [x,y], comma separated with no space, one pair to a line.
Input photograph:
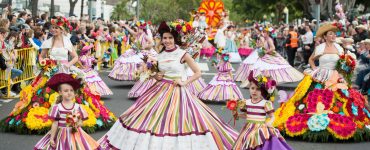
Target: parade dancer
[168,116]
[258,132]
[127,64]
[92,79]
[222,87]
[324,101]
[58,55]
[266,61]
[67,117]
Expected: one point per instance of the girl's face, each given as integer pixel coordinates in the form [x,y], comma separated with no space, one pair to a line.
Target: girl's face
[56,31]
[168,40]
[254,91]
[67,92]
[330,36]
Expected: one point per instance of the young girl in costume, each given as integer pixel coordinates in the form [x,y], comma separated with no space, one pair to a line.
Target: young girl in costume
[258,133]
[222,87]
[93,80]
[67,116]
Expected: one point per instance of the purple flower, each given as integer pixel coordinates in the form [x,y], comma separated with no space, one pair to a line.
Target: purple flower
[149,65]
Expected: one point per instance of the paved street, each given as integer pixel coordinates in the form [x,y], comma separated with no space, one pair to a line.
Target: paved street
[118,103]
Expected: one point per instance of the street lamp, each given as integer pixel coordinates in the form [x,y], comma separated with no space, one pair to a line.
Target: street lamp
[135,4]
[272,16]
[286,11]
[264,19]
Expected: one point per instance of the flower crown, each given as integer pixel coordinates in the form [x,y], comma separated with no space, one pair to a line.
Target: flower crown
[265,83]
[338,25]
[225,57]
[181,26]
[62,22]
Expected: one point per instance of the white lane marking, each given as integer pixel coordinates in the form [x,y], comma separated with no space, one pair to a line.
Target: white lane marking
[6,100]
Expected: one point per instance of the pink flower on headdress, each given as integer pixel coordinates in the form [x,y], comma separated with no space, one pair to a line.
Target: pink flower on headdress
[178,28]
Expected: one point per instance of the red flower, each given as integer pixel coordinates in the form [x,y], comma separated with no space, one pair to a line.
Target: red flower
[342,56]
[178,28]
[231,104]
[18,117]
[7,120]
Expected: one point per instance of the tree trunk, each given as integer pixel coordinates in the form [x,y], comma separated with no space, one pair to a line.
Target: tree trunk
[72,4]
[34,7]
[52,10]
[82,9]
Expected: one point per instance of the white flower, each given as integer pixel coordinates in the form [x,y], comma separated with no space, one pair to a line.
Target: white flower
[300,107]
[351,54]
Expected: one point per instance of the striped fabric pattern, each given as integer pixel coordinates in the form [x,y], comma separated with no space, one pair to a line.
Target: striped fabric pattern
[196,86]
[124,72]
[65,139]
[259,111]
[140,87]
[166,110]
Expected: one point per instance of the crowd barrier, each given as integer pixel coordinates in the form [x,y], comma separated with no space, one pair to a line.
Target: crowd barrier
[26,61]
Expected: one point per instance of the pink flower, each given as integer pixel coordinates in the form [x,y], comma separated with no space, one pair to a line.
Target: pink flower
[48,90]
[18,117]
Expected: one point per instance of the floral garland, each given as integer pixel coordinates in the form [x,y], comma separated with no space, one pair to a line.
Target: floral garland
[318,122]
[62,22]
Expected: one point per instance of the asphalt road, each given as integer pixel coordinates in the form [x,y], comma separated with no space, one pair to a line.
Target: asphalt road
[118,103]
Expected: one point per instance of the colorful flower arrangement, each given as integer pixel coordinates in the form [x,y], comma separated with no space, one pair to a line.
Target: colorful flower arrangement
[234,105]
[90,121]
[37,118]
[268,84]
[316,113]
[48,66]
[346,66]
[181,26]
[62,22]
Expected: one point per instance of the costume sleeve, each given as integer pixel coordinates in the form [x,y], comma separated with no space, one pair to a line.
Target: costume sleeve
[83,112]
[269,108]
[47,44]
[54,113]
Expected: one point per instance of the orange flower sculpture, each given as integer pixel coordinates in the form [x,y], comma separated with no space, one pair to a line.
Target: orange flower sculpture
[212,10]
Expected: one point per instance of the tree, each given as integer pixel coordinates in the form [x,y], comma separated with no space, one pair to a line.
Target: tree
[34,7]
[72,4]
[52,9]
[120,10]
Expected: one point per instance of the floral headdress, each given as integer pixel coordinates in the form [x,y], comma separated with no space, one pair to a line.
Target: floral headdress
[225,57]
[266,84]
[181,26]
[62,22]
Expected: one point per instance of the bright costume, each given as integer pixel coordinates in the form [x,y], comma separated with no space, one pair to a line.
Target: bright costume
[323,108]
[169,117]
[29,115]
[142,85]
[222,87]
[244,48]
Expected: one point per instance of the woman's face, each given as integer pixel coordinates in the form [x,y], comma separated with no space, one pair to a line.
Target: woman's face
[367,46]
[254,91]
[168,40]
[330,36]
[66,91]
[56,30]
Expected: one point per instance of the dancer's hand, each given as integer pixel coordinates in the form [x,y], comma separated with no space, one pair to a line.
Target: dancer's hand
[52,143]
[179,82]
[159,76]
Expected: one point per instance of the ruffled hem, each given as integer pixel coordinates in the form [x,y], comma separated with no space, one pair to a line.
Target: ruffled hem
[122,137]
[65,139]
[319,74]
[220,93]
[259,136]
[140,87]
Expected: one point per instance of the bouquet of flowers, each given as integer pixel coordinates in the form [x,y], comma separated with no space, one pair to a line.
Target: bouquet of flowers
[136,46]
[72,120]
[151,64]
[49,66]
[234,105]
[346,66]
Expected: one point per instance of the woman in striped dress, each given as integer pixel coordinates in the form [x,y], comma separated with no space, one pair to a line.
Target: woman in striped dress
[259,133]
[264,60]
[168,115]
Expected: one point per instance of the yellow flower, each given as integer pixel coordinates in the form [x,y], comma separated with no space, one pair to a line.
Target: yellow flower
[264,79]
[53,97]
[37,118]
[91,121]
[184,29]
